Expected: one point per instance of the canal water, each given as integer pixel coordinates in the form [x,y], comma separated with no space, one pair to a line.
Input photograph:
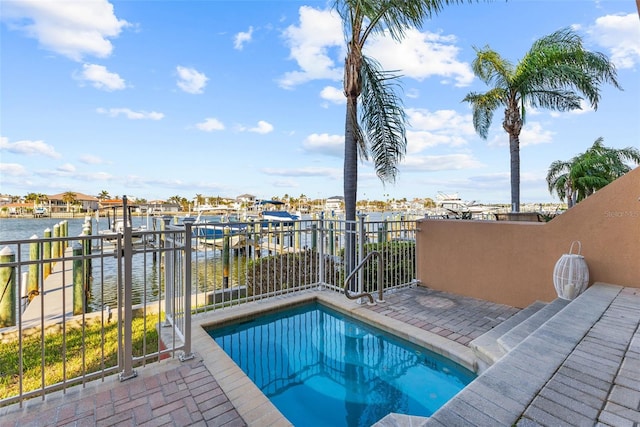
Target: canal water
[146,272]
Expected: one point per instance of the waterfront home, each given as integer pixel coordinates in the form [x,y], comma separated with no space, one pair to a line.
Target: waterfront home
[81,202]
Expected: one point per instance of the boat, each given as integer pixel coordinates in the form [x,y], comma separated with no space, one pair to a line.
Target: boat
[451,205]
[213,232]
[269,214]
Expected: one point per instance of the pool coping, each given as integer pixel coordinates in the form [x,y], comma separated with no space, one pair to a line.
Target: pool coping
[252,405]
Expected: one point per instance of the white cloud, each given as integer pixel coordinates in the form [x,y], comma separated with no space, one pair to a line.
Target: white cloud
[330,145]
[304,172]
[421,55]
[67,168]
[262,128]
[241,38]
[91,159]
[100,77]
[210,124]
[190,80]
[99,176]
[71,28]
[439,163]
[310,44]
[413,93]
[333,95]
[620,34]
[317,45]
[12,169]
[532,134]
[130,114]
[29,148]
[286,183]
[442,127]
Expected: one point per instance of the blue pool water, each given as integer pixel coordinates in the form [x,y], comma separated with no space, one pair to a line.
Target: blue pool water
[322,368]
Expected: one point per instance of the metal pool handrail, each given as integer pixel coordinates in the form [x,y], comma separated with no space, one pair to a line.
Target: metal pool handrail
[355,270]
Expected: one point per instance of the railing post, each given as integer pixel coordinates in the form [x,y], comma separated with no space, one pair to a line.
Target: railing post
[360,245]
[321,252]
[314,237]
[168,271]
[128,371]
[332,243]
[187,354]
[226,235]
[86,261]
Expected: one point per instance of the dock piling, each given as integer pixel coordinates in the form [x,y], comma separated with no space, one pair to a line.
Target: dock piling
[7,288]
[32,279]
[78,280]
[46,253]
[56,251]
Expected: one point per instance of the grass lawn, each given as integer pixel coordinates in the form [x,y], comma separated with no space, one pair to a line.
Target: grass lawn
[85,350]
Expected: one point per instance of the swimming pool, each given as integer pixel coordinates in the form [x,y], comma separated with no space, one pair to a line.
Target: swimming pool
[320,367]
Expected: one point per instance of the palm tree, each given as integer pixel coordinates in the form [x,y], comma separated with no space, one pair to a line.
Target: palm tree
[588,172]
[69,198]
[182,202]
[553,74]
[104,195]
[379,129]
[200,199]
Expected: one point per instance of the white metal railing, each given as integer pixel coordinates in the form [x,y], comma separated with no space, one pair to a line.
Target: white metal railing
[114,302]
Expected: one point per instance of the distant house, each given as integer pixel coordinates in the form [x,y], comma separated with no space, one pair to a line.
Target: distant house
[334,203]
[17,208]
[107,203]
[161,207]
[247,199]
[83,203]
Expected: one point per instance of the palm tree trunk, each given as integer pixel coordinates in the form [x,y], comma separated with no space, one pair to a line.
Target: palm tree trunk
[350,180]
[512,124]
[514,149]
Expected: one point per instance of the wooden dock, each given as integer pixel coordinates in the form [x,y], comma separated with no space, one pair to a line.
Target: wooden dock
[55,303]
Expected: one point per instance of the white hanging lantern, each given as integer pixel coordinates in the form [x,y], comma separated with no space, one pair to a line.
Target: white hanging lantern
[571,274]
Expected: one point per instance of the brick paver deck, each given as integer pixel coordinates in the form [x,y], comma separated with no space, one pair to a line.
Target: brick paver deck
[169,393]
[187,393]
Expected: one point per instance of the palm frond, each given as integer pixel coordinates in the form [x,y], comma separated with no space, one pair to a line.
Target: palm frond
[382,118]
[557,65]
[491,68]
[592,170]
[483,106]
[391,16]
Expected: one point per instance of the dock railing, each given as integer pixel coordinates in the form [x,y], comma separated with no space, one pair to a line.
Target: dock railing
[103,304]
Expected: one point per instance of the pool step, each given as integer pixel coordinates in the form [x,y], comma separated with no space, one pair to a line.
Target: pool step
[486,346]
[519,333]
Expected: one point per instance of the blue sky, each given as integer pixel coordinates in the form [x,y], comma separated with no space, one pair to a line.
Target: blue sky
[160,98]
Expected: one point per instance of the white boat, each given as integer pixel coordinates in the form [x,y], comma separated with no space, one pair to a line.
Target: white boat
[213,232]
[268,213]
[452,205]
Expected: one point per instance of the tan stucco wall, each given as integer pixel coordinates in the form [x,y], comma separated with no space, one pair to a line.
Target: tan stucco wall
[512,262]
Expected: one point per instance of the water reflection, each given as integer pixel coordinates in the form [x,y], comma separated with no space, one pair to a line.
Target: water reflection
[319,369]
